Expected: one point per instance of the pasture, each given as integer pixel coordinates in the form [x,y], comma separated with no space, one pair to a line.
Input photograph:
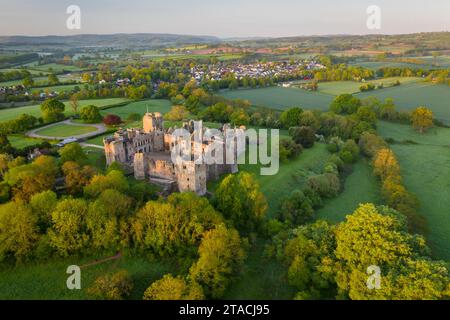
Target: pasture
[34,110]
[361,186]
[341,87]
[412,95]
[53,67]
[425,167]
[282,98]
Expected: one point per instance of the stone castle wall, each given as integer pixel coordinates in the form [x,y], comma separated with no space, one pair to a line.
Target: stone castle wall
[148,151]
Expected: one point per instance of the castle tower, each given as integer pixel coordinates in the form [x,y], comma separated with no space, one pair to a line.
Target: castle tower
[152,122]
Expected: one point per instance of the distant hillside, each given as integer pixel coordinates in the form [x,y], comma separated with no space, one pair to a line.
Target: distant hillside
[145,40]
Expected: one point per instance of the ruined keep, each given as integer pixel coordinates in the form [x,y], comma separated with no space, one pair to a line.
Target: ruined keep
[147,152]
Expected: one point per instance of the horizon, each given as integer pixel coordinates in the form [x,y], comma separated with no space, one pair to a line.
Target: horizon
[254,19]
[223,37]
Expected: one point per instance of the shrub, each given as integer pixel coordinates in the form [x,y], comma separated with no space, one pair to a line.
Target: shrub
[91,114]
[116,286]
[305,136]
[112,120]
[296,208]
[173,288]
[326,185]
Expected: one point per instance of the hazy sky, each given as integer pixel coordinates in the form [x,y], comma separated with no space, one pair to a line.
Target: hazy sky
[224,18]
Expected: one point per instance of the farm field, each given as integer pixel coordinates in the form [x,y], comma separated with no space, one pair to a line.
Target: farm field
[374,65]
[33,72]
[412,95]
[426,168]
[361,186]
[341,87]
[282,98]
[140,107]
[65,130]
[53,67]
[47,280]
[34,110]
[219,57]
[37,81]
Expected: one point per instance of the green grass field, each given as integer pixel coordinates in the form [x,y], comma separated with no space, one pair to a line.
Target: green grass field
[412,95]
[261,279]
[47,280]
[140,107]
[291,175]
[96,158]
[360,186]
[37,81]
[65,130]
[424,62]
[58,88]
[282,98]
[341,87]
[34,110]
[19,141]
[426,171]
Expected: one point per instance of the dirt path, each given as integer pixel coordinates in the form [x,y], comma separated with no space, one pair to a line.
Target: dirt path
[92,145]
[99,261]
[100,129]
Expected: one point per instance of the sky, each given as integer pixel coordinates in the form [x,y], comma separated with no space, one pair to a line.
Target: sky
[224,18]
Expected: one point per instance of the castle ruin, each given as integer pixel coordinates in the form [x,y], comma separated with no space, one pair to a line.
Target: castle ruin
[148,151]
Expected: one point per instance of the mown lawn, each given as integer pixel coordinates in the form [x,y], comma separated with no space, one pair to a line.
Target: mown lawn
[426,171]
[65,130]
[47,280]
[282,98]
[360,186]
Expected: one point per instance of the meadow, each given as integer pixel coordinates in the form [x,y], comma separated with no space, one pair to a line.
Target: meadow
[425,163]
[34,110]
[282,98]
[291,175]
[47,280]
[412,95]
[360,186]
